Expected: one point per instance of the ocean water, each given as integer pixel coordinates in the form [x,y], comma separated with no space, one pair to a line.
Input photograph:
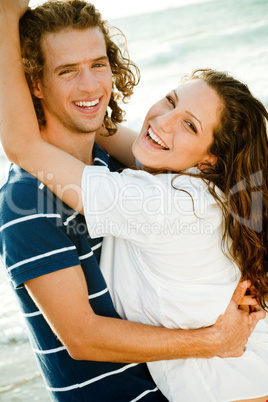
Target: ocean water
[230,35]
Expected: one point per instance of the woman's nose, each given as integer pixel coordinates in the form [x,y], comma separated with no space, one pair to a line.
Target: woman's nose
[168,121]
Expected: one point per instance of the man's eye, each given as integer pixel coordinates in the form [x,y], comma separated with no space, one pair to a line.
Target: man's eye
[65,72]
[192,127]
[99,65]
[170,100]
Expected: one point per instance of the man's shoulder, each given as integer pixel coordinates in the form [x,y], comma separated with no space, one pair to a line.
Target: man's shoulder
[18,187]
[13,175]
[101,158]
[22,194]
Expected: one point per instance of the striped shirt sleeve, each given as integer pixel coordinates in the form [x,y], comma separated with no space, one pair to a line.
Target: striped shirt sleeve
[30,247]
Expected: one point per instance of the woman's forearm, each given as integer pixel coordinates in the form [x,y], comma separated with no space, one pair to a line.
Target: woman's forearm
[18,122]
[20,134]
[118,145]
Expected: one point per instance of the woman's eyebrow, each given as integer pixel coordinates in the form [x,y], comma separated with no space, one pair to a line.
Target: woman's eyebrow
[191,114]
[175,95]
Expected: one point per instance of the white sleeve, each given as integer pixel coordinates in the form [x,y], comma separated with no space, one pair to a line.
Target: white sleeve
[122,205]
[138,206]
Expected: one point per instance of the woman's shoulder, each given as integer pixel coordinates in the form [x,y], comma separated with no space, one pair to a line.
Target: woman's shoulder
[196,184]
[196,187]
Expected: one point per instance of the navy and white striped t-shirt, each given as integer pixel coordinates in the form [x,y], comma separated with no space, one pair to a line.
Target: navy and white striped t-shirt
[39,235]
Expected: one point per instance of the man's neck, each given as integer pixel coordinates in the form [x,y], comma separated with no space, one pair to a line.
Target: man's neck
[78,145]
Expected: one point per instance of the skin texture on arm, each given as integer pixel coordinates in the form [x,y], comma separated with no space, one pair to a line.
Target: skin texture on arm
[25,146]
[119,145]
[117,340]
[73,319]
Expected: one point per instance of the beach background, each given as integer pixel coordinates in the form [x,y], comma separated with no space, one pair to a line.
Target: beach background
[166,40]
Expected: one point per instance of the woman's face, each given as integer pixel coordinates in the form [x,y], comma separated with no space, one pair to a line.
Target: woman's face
[178,130]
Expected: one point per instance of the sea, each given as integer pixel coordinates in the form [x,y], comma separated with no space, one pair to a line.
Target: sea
[227,35]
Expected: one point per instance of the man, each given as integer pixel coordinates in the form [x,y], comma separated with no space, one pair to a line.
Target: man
[73,70]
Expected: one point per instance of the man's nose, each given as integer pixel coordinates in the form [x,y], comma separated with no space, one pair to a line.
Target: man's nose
[88,82]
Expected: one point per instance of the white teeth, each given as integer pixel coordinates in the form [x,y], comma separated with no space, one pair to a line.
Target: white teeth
[87,104]
[156,139]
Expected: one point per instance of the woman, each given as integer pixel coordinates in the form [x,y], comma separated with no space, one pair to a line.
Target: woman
[172,257]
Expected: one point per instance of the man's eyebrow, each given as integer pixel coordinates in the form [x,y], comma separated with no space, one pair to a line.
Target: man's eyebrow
[68,65]
[63,66]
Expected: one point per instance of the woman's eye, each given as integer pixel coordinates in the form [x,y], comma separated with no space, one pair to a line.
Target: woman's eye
[192,127]
[171,101]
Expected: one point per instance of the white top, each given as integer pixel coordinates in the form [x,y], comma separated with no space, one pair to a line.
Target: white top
[165,266]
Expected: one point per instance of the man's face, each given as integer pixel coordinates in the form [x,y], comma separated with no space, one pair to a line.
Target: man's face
[77,80]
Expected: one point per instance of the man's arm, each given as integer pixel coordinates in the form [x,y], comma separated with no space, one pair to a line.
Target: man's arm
[62,296]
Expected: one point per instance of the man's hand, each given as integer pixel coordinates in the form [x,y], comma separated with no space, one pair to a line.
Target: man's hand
[249,302]
[236,324]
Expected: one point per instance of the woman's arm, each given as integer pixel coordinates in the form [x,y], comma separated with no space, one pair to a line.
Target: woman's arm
[118,145]
[19,129]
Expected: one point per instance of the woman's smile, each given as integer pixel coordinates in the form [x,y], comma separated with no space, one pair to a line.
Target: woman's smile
[178,130]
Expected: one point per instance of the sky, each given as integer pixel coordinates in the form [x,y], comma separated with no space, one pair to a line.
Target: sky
[111,9]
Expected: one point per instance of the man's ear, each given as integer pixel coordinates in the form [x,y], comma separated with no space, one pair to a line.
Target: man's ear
[37,89]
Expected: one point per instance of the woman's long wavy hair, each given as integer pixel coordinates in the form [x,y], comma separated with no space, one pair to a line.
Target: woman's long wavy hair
[241,146]
[53,16]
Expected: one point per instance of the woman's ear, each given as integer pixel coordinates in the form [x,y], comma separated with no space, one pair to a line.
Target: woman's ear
[210,160]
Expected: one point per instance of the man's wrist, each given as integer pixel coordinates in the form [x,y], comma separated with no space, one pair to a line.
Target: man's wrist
[210,342]
[198,343]
[213,341]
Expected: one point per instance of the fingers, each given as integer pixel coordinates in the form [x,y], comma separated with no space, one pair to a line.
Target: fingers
[239,292]
[245,308]
[250,304]
[248,301]
[254,318]
[257,315]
